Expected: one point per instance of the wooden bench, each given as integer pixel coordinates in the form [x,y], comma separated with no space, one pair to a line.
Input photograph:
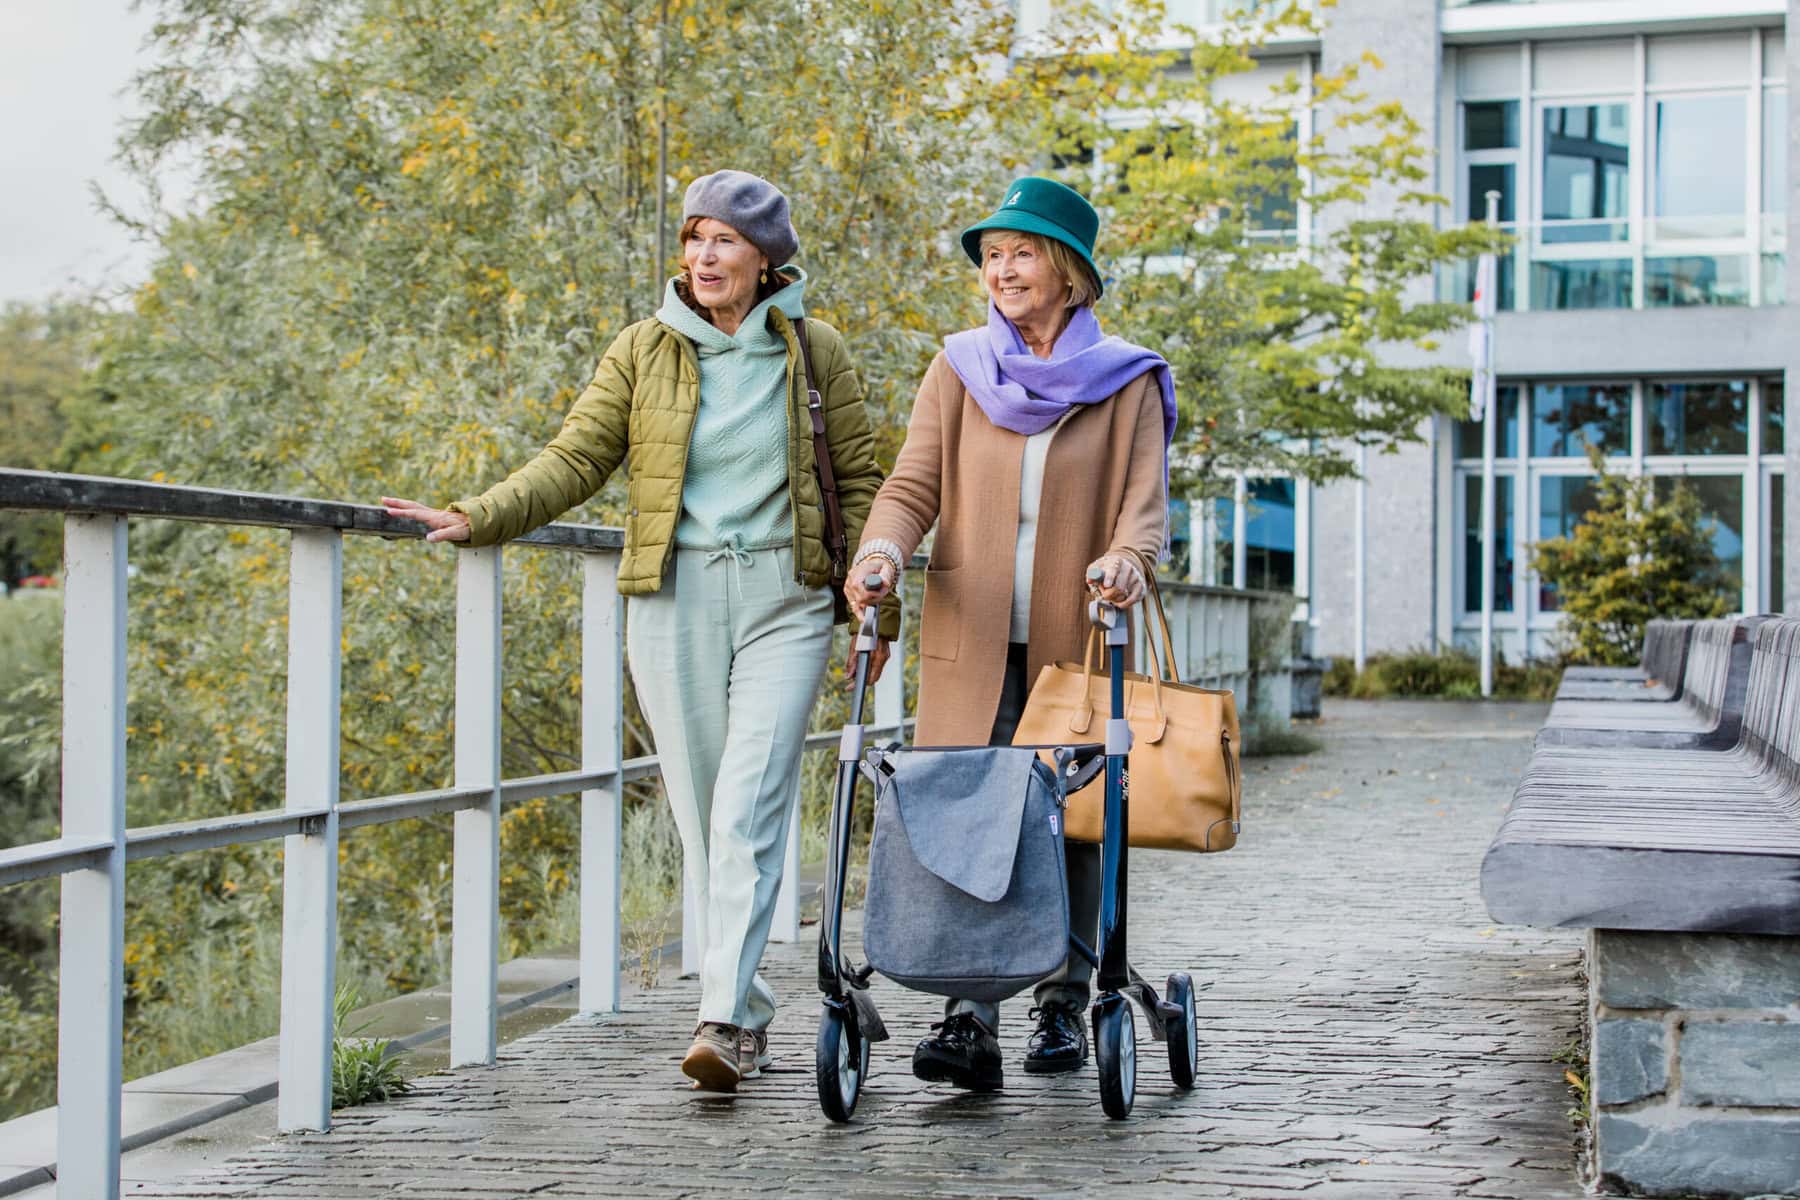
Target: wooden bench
[1683,863]
[1706,715]
[1657,676]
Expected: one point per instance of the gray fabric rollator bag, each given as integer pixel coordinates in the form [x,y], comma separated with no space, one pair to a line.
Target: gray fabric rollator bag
[967,895]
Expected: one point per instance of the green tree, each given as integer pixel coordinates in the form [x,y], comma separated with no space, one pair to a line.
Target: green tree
[48,414]
[1635,556]
[1277,273]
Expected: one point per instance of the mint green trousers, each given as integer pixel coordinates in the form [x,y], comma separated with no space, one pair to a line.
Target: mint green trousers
[727,658]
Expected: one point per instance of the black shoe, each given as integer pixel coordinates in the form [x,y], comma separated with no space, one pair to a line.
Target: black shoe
[963,1052]
[1060,1043]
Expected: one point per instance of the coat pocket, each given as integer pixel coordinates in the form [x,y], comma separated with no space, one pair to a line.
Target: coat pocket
[940,624]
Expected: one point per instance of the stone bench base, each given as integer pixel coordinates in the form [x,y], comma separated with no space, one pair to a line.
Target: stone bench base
[1694,1062]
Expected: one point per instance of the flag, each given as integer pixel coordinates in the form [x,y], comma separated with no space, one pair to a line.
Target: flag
[1481,334]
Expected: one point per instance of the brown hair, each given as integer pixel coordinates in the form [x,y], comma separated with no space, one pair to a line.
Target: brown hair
[772,280]
[1083,288]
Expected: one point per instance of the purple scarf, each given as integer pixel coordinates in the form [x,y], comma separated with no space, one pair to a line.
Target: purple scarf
[1027,394]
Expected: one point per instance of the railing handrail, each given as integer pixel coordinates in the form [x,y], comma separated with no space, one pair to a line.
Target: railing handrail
[51,491]
[48,491]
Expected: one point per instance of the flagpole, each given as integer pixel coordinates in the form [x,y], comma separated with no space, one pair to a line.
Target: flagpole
[1487,287]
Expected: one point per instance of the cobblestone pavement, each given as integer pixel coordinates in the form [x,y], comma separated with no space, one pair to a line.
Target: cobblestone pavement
[1365,1033]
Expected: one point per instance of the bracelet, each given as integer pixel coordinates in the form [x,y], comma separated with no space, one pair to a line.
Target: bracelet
[881,548]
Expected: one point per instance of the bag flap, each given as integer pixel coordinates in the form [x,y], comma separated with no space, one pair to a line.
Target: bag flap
[962,811]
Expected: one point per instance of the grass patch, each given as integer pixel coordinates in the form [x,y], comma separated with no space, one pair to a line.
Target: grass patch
[363,1069]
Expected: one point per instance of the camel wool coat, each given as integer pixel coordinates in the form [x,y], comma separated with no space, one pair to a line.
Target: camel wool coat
[1103,491]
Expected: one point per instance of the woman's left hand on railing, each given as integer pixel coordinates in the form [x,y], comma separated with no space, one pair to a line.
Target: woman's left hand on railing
[444,526]
[1120,581]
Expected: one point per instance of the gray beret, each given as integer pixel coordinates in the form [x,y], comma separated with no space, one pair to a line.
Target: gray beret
[749,204]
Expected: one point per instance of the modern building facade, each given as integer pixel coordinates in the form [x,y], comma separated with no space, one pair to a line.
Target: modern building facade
[1640,149]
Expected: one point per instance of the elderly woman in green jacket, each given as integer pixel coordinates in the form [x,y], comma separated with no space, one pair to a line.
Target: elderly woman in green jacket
[725,562]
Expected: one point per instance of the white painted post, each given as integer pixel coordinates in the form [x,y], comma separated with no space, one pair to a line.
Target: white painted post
[310,860]
[475,903]
[890,690]
[693,926]
[1360,557]
[1240,550]
[603,808]
[784,925]
[91,1001]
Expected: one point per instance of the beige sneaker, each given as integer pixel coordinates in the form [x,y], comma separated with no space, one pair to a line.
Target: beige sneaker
[712,1061]
[753,1052]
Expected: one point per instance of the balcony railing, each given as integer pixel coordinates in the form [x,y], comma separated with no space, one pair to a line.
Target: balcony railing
[1211,628]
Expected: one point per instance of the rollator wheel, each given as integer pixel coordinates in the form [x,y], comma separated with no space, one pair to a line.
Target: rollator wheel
[841,1062]
[1115,1052]
[1184,1035]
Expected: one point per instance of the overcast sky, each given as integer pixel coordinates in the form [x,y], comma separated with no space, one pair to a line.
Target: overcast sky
[64,65]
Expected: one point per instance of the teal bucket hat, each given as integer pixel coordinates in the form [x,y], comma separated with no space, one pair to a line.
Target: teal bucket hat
[1048,209]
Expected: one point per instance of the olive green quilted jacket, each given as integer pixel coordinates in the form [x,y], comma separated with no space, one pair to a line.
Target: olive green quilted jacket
[639,411]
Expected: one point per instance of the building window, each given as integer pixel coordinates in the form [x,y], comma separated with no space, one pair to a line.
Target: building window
[1493,125]
[1568,418]
[1774,419]
[1506,436]
[1269,532]
[1774,152]
[1586,173]
[1696,279]
[1777,527]
[1699,186]
[1503,543]
[1699,418]
[1722,502]
[1693,429]
[1628,184]
[1562,501]
[1581,283]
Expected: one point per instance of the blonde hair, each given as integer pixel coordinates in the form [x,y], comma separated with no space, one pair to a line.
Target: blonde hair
[1083,288]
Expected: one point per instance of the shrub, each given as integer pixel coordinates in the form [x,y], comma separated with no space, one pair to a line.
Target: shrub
[1633,557]
[1446,674]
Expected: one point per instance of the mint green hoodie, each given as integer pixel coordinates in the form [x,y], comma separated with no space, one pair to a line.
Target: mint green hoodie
[736,489]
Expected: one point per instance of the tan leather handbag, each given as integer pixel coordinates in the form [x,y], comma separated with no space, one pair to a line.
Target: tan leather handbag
[1186,792]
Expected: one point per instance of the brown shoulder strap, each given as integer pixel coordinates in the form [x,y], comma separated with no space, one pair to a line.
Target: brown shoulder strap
[836,541]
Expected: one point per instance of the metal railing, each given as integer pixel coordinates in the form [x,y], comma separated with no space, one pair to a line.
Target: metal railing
[1210,629]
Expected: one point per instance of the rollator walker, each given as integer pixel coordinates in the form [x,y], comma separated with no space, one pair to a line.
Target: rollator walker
[849,1021]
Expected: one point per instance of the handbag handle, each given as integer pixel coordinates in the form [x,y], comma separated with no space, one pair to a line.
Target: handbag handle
[1083,718]
[1153,598]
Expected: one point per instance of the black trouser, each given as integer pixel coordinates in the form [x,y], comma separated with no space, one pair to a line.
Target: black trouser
[1070,985]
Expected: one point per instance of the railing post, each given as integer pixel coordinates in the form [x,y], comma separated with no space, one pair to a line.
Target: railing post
[602,808]
[784,925]
[693,927]
[890,689]
[475,904]
[91,1001]
[310,860]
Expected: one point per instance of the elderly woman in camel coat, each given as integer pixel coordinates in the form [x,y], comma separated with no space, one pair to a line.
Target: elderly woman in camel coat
[1039,448]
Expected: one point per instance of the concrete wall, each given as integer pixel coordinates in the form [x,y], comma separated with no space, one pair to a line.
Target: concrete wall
[1399,595]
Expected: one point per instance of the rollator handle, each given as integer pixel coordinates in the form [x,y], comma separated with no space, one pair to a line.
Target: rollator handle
[865,640]
[1103,614]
